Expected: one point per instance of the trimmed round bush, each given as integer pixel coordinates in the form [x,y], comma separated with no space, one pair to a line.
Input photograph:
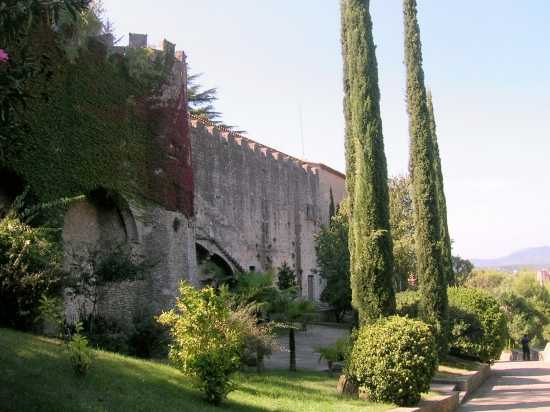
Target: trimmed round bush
[477,324]
[394,360]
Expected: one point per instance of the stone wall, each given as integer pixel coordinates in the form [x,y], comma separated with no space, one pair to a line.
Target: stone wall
[257,207]
[163,239]
[159,230]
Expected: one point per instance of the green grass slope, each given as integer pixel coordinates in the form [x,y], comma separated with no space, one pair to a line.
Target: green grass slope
[35,375]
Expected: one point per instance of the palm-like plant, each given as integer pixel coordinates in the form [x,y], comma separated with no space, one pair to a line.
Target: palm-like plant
[292,313]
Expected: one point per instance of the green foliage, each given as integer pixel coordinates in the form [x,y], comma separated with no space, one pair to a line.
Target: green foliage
[477,324]
[462,269]
[331,206]
[37,376]
[525,302]
[291,313]
[201,101]
[408,303]
[334,353]
[394,360]
[525,317]
[255,288]
[92,271]
[147,338]
[107,334]
[286,278]
[445,239]
[429,261]
[30,267]
[491,281]
[93,111]
[402,230]
[52,315]
[80,354]
[205,346]
[332,252]
[19,20]
[371,259]
[259,340]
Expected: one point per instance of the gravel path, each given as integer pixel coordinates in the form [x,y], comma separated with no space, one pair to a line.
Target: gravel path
[306,358]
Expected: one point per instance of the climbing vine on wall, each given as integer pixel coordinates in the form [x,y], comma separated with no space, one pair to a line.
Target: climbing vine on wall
[87,125]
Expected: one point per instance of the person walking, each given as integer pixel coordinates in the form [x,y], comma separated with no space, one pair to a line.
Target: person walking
[525,347]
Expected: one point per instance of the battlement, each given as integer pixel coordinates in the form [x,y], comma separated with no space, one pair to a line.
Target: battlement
[139,41]
[221,132]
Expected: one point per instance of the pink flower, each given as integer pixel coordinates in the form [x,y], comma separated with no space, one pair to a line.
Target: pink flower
[4,57]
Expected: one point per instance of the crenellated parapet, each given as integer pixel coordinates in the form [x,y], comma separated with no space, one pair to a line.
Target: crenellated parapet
[171,173]
[232,137]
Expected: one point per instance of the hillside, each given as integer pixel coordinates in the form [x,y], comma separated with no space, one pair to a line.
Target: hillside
[531,257]
[35,375]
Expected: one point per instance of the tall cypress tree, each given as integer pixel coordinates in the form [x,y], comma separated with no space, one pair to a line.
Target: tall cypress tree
[331,207]
[370,240]
[444,236]
[429,262]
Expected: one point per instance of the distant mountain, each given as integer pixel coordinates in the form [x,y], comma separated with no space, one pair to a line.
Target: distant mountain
[532,257]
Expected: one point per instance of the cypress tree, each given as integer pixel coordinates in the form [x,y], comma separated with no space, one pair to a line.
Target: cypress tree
[446,253]
[429,262]
[331,207]
[370,241]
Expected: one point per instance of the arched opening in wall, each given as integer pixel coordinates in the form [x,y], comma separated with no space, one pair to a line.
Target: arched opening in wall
[11,186]
[213,269]
[98,234]
[101,221]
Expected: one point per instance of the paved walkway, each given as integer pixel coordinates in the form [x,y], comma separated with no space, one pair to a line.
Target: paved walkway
[514,386]
[306,358]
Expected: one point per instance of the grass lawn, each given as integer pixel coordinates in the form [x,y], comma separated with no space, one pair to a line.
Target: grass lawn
[455,369]
[452,364]
[35,375]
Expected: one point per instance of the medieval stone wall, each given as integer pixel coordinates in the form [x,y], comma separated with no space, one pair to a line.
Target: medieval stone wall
[257,207]
[159,230]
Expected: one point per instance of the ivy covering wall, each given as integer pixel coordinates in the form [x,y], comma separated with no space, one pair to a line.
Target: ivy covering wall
[88,124]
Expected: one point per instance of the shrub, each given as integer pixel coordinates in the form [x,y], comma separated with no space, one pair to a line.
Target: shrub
[394,360]
[259,340]
[94,271]
[206,345]
[107,334]
[408,303]
[148,338]
[477,324]
[52,316]
[523,317]
[79,352]
[30,267]
[334,353]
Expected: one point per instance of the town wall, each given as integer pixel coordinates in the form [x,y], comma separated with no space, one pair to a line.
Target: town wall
[256,206]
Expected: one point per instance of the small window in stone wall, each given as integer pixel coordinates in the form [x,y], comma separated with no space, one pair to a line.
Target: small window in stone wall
[310,212]
[310,290]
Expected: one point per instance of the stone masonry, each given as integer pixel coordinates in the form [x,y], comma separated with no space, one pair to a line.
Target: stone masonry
[257,207]
[214,191]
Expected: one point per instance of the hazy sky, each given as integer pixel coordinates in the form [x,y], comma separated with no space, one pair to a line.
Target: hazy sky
[487,63]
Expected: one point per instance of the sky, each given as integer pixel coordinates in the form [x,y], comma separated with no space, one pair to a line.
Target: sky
[278,70]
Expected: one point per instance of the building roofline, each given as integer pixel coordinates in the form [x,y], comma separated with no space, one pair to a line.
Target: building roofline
[209,123]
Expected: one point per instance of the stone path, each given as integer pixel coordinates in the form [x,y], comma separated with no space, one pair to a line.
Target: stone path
[514,386]
[306,358]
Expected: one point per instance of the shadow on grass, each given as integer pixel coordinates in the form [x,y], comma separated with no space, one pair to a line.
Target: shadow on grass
[36,375]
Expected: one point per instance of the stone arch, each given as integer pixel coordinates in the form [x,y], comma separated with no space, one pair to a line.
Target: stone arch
[212,265]
[100,221]
[96,226]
